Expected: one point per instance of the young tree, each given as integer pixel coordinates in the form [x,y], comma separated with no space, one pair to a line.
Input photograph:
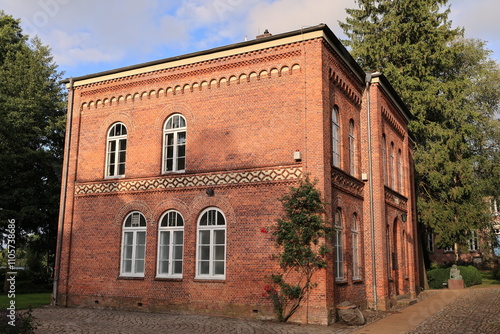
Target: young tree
[452,88]
[32,112]
[298,235]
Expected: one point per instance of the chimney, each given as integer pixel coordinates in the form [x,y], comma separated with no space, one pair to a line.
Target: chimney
[265,34]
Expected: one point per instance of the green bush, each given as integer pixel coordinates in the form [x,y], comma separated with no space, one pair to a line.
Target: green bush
[22,322]
[470,275]
[436,277]
[496,274]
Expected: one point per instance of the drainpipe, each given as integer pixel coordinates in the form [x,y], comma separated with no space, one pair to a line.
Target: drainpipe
[368,79]
[64,185]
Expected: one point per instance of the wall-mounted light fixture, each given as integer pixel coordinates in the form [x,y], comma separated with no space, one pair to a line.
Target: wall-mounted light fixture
[404,217]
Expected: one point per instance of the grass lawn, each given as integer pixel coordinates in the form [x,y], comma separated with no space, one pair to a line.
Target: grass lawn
[23,301]
[488,279]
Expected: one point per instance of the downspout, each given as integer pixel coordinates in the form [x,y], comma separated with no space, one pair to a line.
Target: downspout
[368,79]
[64,185]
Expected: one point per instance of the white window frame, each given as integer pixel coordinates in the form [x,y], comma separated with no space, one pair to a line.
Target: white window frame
[175,126]
[392,175]
[473,241]
[400,172]
[114,156]
[137,251]
[355,248]
[430,242]
[384,160]
[352,149]
[170,252]
[213,229]
[339,246]
[335,137]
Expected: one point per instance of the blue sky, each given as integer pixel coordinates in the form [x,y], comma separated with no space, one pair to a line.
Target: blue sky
[89,36]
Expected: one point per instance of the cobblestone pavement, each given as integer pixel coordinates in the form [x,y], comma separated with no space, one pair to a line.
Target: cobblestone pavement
[476,312]
[81,320]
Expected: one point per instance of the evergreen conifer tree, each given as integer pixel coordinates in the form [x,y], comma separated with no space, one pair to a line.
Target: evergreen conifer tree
[452,88]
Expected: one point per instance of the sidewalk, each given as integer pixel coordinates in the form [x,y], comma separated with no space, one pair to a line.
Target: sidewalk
[471,310]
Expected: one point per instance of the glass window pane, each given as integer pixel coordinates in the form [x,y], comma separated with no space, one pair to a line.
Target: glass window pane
[204,252]
[139,266]
[219,252]
[177,267]
[204,268]
[220,219]
[204,237]
[220,237]
[181,164]
[127,252]
[123,144]
[127,266]
[163,267]
[141,238]
[219,268]
[204,219]
[140,251]
[170,139]
[180,221]
[178,237]
[181,138]
[170,164]
[177,253]
[128,236]
[121,169]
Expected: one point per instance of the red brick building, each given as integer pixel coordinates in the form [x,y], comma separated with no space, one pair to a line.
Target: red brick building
[173,167]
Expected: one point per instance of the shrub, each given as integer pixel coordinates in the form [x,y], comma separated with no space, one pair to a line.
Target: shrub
[496,274]
[436,277]
[24,322]
[470,275]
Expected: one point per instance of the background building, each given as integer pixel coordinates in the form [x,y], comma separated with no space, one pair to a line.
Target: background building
[173,167]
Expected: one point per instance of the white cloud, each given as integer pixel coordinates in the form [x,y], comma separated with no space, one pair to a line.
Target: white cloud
[115,33]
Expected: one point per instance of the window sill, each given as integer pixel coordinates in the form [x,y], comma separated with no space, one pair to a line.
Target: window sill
[168,279]
[357,281]
[136,278]
[209,280]
[114,177]
[341,282]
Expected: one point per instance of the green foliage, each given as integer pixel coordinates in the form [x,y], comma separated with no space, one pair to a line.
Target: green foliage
[32,110]
[437,277]
[298,235]
[496,274]
[453,89]
[24,323]
[471,275]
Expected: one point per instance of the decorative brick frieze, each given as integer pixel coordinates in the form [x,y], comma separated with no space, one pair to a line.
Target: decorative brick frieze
[188,181]
[347,183]
[395,199]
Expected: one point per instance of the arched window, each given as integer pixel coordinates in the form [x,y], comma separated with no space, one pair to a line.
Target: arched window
[170,245]
[400,172]
[335,137]
[388,250]
[355,247]
[352,149]
[384,160]
[392,164]
[211,249]
[339,246]
[174,144]
[133,245]
[116,150]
